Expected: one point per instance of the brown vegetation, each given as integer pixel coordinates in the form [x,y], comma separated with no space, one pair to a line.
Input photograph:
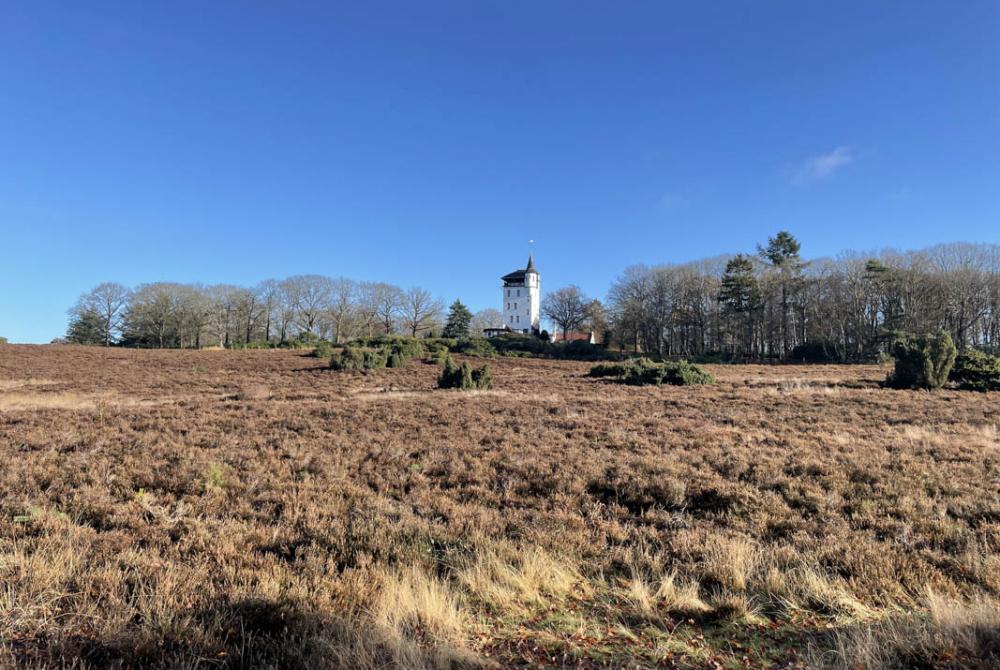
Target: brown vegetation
[257,509]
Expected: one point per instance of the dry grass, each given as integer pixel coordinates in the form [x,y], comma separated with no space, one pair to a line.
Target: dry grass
[416,605]
[506,579]
[951,634]
[254,509]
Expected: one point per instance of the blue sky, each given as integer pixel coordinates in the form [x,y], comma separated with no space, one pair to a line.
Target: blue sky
[426,143]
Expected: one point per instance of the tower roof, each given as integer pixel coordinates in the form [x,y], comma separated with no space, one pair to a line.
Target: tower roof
[518,275]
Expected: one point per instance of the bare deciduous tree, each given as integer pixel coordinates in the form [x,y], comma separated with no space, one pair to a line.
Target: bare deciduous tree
[566,307]
[420,311]
[343,308]
[388,301]
[483,319]
[310,297]
[105,305]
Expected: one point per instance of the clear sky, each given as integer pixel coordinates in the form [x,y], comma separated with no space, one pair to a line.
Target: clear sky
[427,142]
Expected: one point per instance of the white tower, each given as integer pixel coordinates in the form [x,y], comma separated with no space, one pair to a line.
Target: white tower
[521,298]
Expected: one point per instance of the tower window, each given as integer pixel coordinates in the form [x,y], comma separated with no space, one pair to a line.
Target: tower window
[518,293]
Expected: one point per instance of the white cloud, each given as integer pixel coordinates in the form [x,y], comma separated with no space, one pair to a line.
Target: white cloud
[823,166]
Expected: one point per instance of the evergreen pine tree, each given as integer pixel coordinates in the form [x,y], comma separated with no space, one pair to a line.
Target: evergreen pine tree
[782,252]
[740,296]
[86,327]
[459,318]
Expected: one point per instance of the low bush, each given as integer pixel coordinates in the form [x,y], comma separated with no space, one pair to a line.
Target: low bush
[410,347]
[437,343]
[323,349]
[474,346]
[527,344]
[578,350]
[304,341]
[976,371]
[609,369]
[348,358]
[922,362]
[3,340]
[482,377]
[683,373]
[464,376]
[396,359]
[375,359]
[642,372]
[436,356]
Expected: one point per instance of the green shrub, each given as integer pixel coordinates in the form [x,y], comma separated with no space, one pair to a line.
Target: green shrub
[348,358]
[482,377]
[304,341]
[642,371]
[375,359]
[526,344]
[922,362]
[396,359]
[410,347]
[463,376]
[608,369]
[578,350]
[518,344]
[434,343]
[976,371]
[643,376]
[323,350]
[437,356]
[683,373]
[3,340]
[475,346]
[451,375]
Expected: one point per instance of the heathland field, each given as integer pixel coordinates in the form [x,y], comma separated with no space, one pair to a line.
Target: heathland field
[257,509]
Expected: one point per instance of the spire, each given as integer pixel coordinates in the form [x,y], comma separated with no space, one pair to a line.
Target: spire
[531,264]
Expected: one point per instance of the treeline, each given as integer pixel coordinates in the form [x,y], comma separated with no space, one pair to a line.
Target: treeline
[768,305]
[272,313]
[772,304]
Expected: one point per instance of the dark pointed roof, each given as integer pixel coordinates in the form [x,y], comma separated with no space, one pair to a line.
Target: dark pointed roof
[518,275]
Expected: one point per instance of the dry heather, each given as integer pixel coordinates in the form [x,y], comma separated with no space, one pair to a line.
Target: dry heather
[255,509]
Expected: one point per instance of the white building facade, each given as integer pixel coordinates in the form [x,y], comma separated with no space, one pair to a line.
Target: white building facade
[521,292]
